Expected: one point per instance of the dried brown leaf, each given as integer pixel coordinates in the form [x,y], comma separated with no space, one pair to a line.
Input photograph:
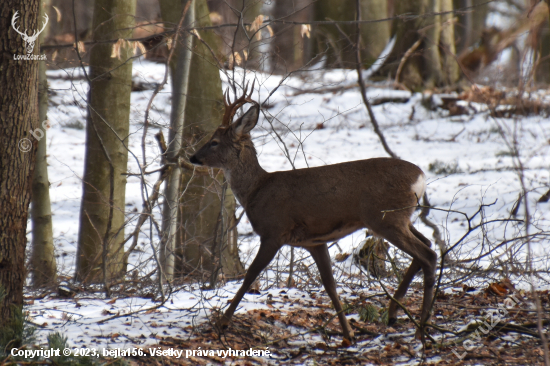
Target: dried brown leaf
[497,289]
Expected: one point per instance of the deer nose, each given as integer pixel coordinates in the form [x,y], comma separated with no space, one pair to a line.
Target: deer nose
[194,160]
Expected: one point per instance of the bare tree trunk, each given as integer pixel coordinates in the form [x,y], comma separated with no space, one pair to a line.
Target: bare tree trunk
[290,50]
[63,31]
[201,239]
[18,116]
[43,263]
[406,36]
[234,39]
[470,24]
[447,47]
[424,51]
[434,74]
[542,72]
[99,253]
[340,40]
[83,12]
[180,86]
[209,236]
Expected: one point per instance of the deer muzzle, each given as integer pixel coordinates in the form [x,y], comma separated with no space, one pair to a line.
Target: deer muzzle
[195,161]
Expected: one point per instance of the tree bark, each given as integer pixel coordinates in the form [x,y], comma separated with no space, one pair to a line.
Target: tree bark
[99,253]
[341,49]
[200,236]
[18,117]
[43,263]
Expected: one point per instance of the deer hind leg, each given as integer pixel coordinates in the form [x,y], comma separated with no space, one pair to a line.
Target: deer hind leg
[322,259]
[265,254]
[419,235]
[427,279]
[408,241]
[407,278]
[402,290]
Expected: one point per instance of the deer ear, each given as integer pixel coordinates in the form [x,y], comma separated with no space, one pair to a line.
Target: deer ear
[248,121]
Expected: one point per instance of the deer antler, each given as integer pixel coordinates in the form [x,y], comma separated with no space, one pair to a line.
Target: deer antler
[232,107]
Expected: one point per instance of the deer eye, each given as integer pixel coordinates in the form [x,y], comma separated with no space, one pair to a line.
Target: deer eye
[214,143]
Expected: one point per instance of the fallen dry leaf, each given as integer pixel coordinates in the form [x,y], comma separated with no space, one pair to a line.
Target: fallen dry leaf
[497,289]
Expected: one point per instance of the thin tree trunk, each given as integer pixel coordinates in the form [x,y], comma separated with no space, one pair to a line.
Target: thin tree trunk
[43,263]
[180,86]
[18,116]
[102,210]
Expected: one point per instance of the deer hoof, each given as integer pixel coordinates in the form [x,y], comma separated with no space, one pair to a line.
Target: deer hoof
[392,321]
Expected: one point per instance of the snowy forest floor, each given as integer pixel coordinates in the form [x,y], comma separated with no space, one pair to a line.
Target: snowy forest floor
[468,145]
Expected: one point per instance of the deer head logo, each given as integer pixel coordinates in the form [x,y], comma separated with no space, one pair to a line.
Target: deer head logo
[29,40]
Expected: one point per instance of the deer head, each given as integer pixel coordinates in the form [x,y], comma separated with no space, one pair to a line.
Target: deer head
[29,40]
[230,139]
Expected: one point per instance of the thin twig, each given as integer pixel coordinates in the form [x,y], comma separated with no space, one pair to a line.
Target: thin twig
[405,58]
[373,120]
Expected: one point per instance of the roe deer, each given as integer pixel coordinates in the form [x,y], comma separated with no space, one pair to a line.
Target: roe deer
[309,207]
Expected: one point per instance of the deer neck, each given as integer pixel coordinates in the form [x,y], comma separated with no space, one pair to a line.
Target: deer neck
[244,175]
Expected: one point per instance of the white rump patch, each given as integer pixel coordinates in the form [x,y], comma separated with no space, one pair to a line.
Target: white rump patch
[419,187]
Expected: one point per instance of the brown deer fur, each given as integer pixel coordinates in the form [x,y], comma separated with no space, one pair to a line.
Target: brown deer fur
[310,207]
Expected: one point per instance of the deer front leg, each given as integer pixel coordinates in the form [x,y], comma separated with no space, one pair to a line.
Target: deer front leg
[322,259]
[266,253]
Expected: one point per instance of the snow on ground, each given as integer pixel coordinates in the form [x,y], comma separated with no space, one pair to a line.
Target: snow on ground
[319,127]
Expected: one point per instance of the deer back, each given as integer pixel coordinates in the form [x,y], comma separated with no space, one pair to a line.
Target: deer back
[312,205]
